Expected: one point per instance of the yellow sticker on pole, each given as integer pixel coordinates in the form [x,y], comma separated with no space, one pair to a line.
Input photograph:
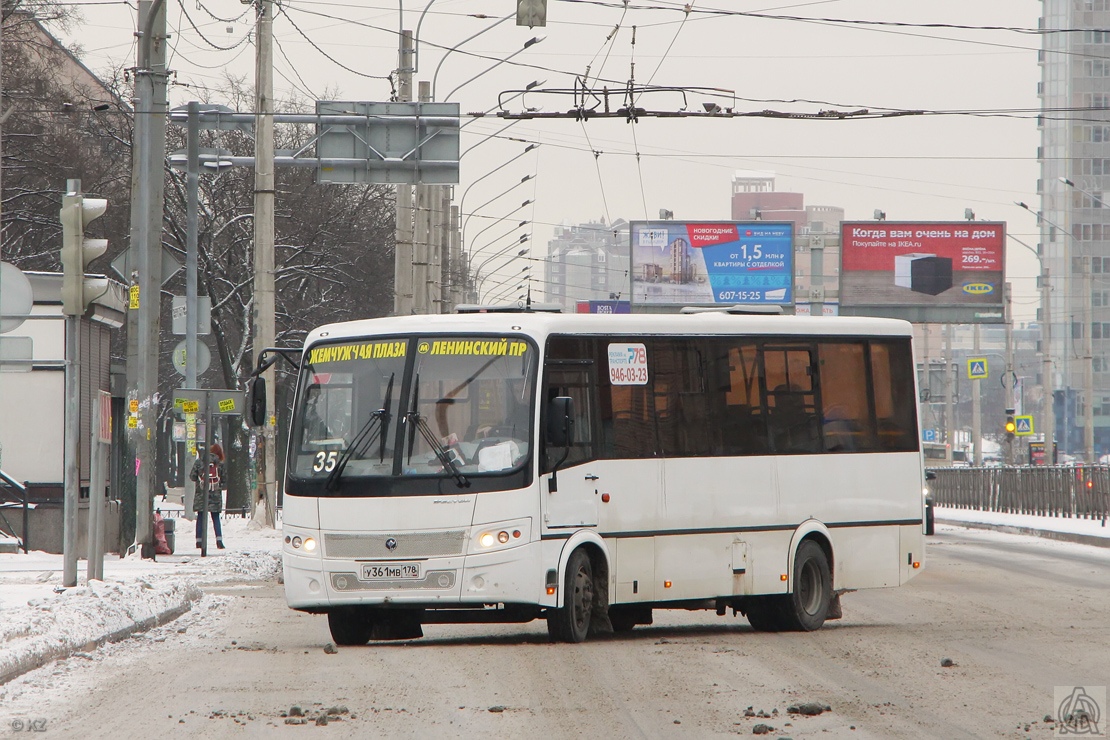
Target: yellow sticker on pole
[133,406]
[134,293]
[190,407]
[227,404]
[132,422]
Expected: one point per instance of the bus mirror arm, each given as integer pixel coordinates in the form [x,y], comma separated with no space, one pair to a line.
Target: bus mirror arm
[560,433]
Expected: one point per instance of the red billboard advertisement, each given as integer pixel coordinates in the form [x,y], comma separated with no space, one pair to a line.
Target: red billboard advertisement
[923,271]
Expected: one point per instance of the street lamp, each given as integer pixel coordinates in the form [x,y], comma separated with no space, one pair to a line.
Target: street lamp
[527,45]
[1088,344]
[447,53]
[1046,348]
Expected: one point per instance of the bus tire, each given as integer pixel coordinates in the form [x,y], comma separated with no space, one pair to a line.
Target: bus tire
[350,625]
[807,605]
[571,623]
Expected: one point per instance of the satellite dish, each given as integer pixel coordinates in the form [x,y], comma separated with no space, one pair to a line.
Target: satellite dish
[16,297]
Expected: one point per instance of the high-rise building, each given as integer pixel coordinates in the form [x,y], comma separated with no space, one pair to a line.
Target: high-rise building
[1075,226]
[587,262]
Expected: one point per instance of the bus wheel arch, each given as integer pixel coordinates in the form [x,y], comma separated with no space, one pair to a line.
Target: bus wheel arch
[583,587]
[811,596]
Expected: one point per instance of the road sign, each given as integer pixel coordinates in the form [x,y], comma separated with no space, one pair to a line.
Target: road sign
[122,265]
[17,298]
[204,357]
[929,435]
[1023,425]
[210,400]
[976,368]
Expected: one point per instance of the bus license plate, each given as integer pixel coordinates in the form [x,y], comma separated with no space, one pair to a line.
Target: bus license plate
[389,571]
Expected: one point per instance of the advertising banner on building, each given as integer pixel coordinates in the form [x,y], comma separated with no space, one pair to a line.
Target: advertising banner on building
[689,263]
[923,271]
[603,307]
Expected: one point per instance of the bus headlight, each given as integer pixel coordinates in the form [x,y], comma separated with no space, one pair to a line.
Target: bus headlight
[296,543]
[309,544]
[501,535]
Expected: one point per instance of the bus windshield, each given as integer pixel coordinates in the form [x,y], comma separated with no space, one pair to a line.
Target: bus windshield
[422,406]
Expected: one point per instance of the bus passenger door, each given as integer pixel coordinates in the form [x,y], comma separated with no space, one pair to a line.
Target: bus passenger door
[573,500]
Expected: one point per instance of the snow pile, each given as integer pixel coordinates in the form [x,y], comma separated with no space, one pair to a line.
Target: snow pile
[86,617]
[40,621]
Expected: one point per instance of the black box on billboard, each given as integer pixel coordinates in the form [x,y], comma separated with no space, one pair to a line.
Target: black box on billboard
[931,275]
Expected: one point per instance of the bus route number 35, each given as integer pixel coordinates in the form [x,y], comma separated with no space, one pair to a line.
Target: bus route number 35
[325,461]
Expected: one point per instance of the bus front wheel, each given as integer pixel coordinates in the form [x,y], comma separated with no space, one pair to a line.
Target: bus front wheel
[571,623]
[350,625]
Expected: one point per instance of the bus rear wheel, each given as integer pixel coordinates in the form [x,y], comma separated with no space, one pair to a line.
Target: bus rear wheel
[805,608]
[350,625]
[571,623]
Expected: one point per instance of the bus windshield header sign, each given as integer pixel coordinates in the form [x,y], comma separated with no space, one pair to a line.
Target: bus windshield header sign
[712,262]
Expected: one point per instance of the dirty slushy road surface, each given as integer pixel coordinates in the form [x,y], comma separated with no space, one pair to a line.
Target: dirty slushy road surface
[1014,616]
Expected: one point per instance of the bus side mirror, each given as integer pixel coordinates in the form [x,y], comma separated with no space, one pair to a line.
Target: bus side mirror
[560,422]
[256,402]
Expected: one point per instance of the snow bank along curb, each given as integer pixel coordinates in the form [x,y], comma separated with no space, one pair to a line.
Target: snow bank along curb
[1076,537]
[85,618]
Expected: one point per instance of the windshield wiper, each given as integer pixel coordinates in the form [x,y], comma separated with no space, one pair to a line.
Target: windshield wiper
[371,430]
[440,451]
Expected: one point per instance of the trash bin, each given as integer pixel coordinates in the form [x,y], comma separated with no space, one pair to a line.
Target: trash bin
[169,529]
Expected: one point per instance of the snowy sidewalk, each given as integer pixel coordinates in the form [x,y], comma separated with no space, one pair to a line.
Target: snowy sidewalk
[1081,531]
[40,621]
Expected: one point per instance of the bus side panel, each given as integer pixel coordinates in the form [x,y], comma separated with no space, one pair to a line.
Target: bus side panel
[851,488]
[702,497]
[913,551]
[865,557]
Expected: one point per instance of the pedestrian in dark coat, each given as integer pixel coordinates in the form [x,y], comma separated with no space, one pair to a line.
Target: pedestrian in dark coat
[212,481]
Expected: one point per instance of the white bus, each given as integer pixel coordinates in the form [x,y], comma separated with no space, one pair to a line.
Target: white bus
[588,469]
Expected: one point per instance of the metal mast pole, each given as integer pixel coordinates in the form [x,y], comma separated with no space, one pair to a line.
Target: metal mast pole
[976,415]
[1088,368]
[949,392]
[1010,376]
[71,443]
[403,247]
[1048,373]
[264,310]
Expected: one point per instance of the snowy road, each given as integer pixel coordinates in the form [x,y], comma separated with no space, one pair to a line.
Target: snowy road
[1016,615]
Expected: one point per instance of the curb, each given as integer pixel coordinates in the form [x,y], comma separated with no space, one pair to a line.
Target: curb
[1081,539]
[61,652]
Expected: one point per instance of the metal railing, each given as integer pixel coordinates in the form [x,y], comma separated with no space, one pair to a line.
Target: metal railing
[1060,491]
[14,492]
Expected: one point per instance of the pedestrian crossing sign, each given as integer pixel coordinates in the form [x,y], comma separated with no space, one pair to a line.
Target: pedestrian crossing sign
[976,368]
[1023,425]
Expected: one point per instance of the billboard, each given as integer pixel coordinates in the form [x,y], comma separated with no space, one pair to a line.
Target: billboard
[939,272]
[689,263]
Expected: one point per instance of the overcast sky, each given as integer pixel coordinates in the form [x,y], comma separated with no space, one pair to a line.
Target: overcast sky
[914,168]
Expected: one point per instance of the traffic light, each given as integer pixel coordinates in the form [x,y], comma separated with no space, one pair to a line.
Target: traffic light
[78,251]
[1011,425]
[531,13]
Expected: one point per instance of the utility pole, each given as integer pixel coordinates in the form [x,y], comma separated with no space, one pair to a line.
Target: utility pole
[1048,373]
[147,191]
[1088,368]
[403,246]
[976,411]
[1010,376]
[264,310]
[949,392]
